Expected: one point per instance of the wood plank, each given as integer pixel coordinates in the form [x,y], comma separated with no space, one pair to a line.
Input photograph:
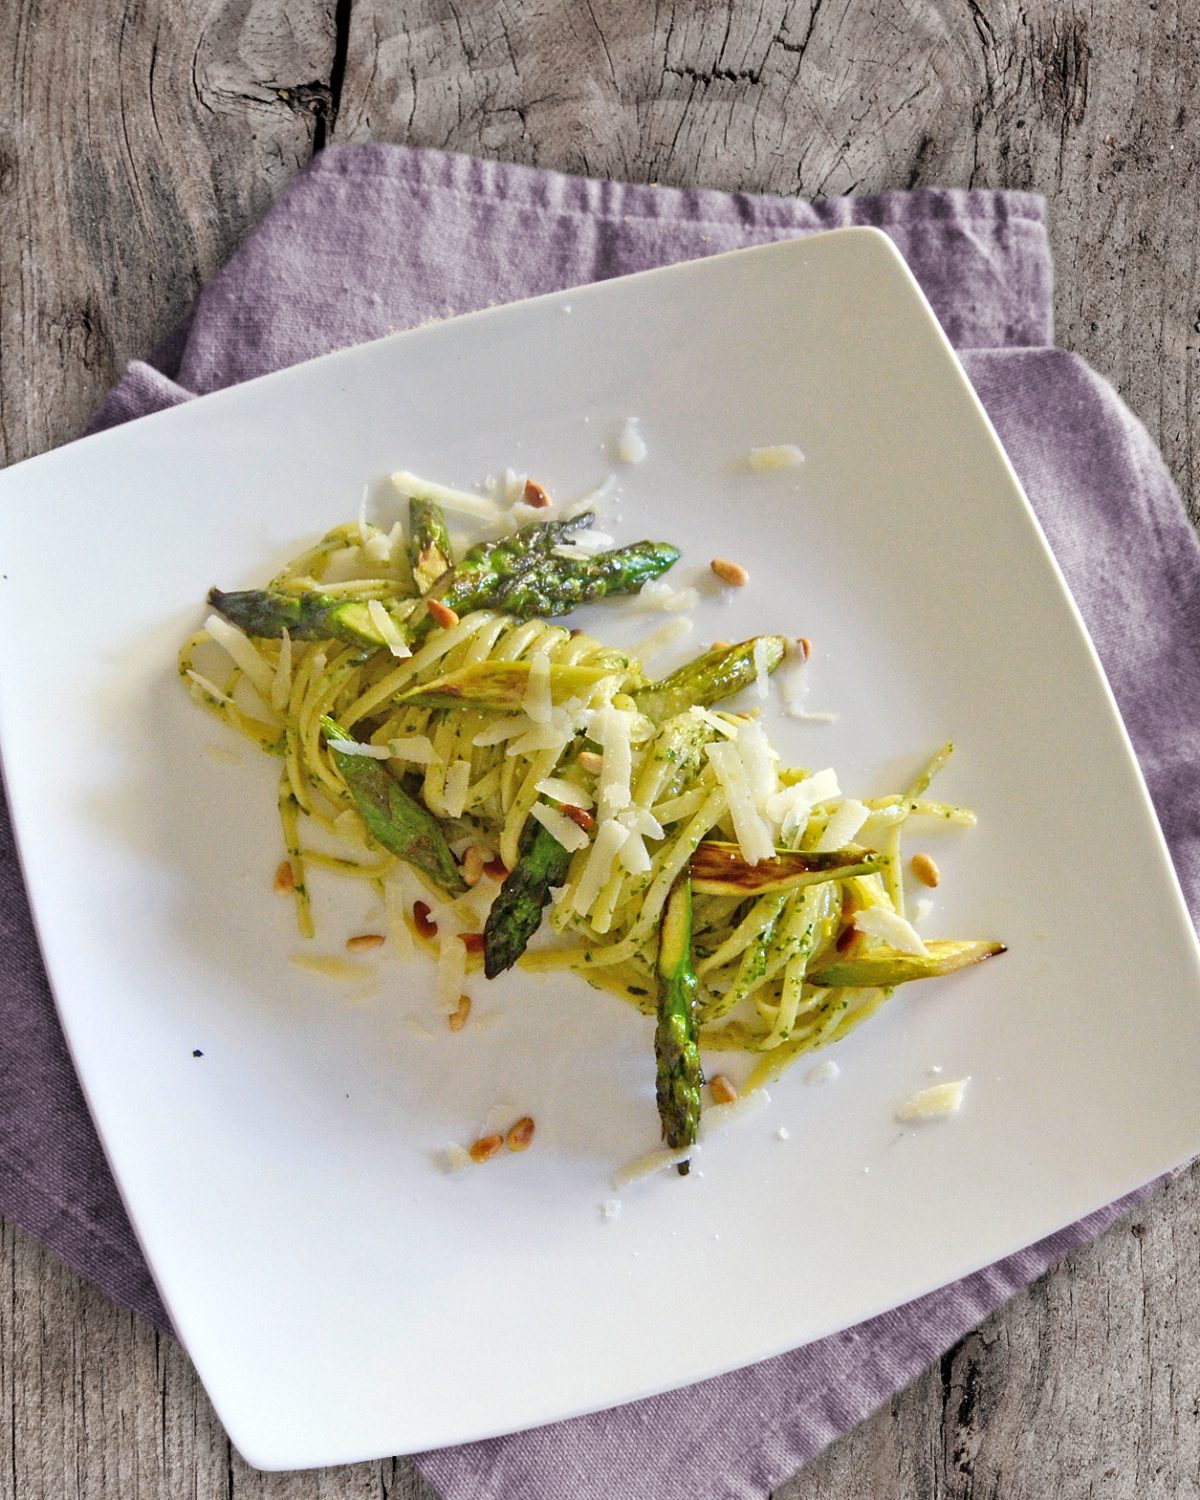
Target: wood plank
[142,143]
[139,142]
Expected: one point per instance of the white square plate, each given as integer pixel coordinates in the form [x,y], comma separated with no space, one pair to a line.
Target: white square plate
[342,1297]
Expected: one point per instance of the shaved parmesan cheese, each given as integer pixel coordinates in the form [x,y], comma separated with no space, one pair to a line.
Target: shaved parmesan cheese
[718,1116]
[386,627]
[378,547]
[794,685]
[641,820]
[922,909]
[514,486]
[759,761]
[842,826]
[244,652]
[779,456]
[353,747]
[891,928]
[609,838]
[537,701]
[454,789]
[633,855]
[752,834]
[556,735]
[934,1103]
[792,807]
[281,685]
[658,594]
[460,501]
[610,1208]
[455,1158]
[661,639]
[415,748]
[610,728]
[565,791]
[631,446]
[559,826]
[503,729]
[451,972]
[650,1163]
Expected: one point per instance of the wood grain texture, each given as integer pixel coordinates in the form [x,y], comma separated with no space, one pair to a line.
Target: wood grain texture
[139,142]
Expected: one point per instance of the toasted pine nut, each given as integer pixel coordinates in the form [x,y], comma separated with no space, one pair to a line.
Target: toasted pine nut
[720,645]
[722,1090]
[805,647]
[458,1018]
[591,762]
[580,816]
[535,495]
[471,941]
[285,878]
[730,572]
[363,941]
[925,870]
[472,865]
[521,1134]
[496,869]
[422,920]
[441,614]
[486,1147]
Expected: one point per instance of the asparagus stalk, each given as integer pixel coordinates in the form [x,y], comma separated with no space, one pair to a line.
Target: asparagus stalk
[306,617]
[676,1049]
[394,819]
[885,967]
[548,586]
[516,913]
[718,869]
[519,575]
[428,543]
[710,678]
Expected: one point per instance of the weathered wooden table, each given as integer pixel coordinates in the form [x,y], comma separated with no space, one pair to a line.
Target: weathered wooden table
[139,142]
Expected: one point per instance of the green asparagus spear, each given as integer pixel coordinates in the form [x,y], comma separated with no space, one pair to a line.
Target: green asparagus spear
[306,617]
[710,678]
[519,575]
[488,563]
[392,817]
[550,586]
[428,543]
[680,1077]
[517,911]
[885,967]
[499,686]
[718,869]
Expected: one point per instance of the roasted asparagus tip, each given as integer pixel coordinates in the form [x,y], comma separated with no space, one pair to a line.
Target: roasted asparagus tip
[676,1048]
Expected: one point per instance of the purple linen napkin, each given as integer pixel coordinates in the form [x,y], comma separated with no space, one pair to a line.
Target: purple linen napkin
[369,239]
